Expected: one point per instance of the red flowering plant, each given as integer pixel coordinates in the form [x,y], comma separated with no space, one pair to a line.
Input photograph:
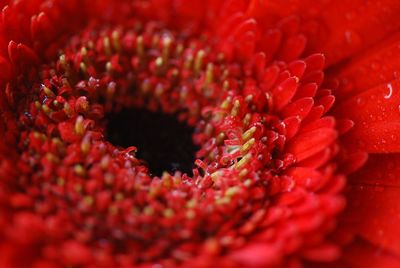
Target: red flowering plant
[295,111]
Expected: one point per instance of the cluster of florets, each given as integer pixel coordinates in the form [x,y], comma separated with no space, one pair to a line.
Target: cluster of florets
[264,179]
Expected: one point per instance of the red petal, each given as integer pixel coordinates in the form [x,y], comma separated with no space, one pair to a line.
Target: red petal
[293,48]
[232,21]
[349,27]
[326,252]
[284,92]
[299,108]
[306,90]
[372,68]
[353,162]
[292,125]
[42,27]
[343,28]
[28,54]
[12,52]
[270,42]
[5,68]
[75,253]
[326,101]
[258,255]
[290,25]
[381,169]
[361,254]
[315,62]
[344,125]
[374,213]
[308,178]
[245,45]
[314,77]
[67,132]
[315,114]
[270,76]
[317,160]
[297,68]
[325,122]
[376,116]
[249,25]
[310,143]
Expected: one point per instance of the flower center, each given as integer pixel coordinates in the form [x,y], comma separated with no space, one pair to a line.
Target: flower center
[164,143]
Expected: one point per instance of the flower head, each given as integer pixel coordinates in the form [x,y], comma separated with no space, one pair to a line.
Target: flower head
[268,179]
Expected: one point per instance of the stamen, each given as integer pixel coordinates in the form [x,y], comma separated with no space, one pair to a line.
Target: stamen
[198,65]
[79,128]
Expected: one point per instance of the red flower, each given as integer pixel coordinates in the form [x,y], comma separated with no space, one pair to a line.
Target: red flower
[256,80]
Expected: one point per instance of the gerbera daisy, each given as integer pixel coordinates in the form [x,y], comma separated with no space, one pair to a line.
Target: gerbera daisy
[199,133]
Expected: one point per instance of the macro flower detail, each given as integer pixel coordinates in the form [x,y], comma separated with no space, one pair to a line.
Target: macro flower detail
[274,150]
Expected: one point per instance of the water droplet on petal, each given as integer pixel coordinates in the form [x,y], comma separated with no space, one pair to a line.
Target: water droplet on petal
[352,38]
[390,91]
[375,66]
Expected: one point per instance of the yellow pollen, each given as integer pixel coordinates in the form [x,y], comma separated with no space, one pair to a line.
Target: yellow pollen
[209,73]
[88,200]
[246,147]
[222,201]
[67,109]
[191,203]
[236,108]
[52,158]
[216,175]
[119,196]
[84,53]
[62,59]
[226,103]
[159,90]
[60,181]
[198,65]
[49,93]
[83,67]
[220,138]
[247,183]
[188,62]
[167,41]
[179,49]
[46,109]
[168,213]
[104,162]
[145,87]
[246,120]
[148,210]
[249,133]
[38,106]
[109,67]
[140,46]
[85,145]
[116,40]
[243,173]
[79,128]
[107,46]
[245,159]
[80,170]
[190,214]
[232,191]
[225,85]
[249,98]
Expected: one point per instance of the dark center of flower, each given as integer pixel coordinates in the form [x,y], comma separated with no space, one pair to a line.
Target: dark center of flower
[164,143]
